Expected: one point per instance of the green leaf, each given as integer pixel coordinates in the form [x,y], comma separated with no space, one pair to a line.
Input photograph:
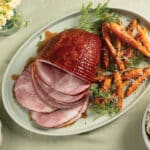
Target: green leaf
[7,1]
[137,59]
[109,108]
[40,42]
[92,19]
[26,23]
[99,93]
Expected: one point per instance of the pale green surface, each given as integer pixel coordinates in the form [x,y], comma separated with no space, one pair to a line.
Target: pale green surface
[123,134]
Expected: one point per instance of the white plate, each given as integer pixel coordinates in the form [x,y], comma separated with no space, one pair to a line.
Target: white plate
[145,137]
[21,116]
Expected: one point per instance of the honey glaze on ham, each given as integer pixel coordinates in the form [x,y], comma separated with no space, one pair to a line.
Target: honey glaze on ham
[75,51]
[48,36]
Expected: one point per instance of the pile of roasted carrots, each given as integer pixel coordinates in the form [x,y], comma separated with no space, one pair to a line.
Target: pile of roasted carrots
[119,46]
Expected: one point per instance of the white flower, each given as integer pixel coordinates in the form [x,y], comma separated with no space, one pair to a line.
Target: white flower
[14,3]
[9,14]
[2,2]
[3,9]
[2,20]
[7,8]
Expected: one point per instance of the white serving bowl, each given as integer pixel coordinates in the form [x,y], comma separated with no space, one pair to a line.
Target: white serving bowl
[145,136]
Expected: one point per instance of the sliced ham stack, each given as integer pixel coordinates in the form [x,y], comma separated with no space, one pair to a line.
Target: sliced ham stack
[54,88]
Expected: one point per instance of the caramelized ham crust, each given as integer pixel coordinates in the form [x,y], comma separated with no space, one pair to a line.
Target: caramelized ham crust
[75,51]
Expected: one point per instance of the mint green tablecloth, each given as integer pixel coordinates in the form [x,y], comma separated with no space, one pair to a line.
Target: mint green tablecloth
[122,134]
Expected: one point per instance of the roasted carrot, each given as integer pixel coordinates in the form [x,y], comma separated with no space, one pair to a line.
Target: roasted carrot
[128,53]
[107,39]
[138,81]
[99,100]
[141,36]
[118,46]
[101,78]
[106,84]
[113,52]
[121,25]
[132,25]
[134,85]
[105,57]
[119,89]
[124,36]
[131,73]
[126,75]
[124,83]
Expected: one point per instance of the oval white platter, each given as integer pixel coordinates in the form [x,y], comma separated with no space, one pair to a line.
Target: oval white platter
[28,49]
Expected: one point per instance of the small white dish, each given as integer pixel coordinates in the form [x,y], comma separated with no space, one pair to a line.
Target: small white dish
[145,136]
[0,134]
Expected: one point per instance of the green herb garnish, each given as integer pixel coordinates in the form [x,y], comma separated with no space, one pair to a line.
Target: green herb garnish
[137,59]
[92,19]
[16,20]
[40,42]
[112,66]
[25,23]
[99,93]
[109,108]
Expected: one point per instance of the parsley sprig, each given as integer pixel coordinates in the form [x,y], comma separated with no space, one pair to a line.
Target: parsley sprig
[137,59]
[40,42]
[110,107]
[99,93]
[91,19]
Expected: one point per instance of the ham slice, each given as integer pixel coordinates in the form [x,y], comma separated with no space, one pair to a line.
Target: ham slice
[59,118]
[50,100]
[60,80]
[82,111]
[58,96]
[26,95]
[54,119]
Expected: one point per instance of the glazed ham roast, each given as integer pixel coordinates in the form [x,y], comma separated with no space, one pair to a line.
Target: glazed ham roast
[55,87]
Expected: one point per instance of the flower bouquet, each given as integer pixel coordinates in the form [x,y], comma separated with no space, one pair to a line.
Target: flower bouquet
[10,18]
